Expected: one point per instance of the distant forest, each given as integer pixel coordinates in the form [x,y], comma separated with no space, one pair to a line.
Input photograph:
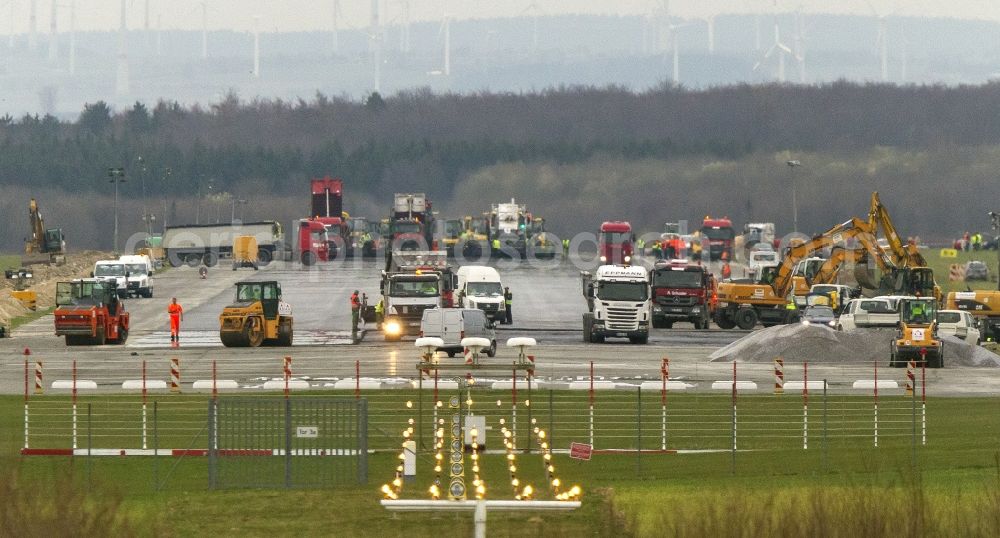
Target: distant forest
[441,144]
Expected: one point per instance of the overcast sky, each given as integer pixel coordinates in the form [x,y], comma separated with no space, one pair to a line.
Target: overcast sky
[293,15]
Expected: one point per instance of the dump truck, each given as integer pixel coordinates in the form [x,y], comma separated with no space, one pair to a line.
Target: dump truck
[45,245]
[614,242]
[618,304]
[88,311]
[682,291]
[411,222]
[720,236]
[206,244]
[917,334]
[508,222]
[258,316]
[328,208]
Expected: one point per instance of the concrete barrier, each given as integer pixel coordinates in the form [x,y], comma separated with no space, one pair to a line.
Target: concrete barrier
[443,384]
[671,385]
[220,384]
[151,384]
[81,384]
[869,384]
[728,385]
[585,385]
[798,386]
[279,384]
[363,384]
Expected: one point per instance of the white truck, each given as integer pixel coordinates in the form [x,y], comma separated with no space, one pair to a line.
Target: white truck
[196,244]
[138,275]
[405,296]
[479,287]
[112,270]
[756,233]
[510,228]
[619,305]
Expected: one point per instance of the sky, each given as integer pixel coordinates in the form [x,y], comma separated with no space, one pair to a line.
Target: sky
[310,15]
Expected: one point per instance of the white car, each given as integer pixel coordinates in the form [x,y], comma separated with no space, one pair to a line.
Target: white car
[868,313]
[960,324]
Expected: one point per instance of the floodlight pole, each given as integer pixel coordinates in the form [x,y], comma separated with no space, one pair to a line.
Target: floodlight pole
[995,220]
[795,205]
[117,176]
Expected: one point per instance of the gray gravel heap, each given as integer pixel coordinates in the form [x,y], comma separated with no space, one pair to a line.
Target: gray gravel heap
[815,344]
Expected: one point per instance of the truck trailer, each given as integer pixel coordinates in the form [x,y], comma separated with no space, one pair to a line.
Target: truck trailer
[205,244]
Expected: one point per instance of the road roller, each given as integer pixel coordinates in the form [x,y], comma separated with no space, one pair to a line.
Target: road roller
[259,317]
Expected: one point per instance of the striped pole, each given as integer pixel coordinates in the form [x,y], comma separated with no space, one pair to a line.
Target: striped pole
[591,403]
[26,353]
[513,410]
[38,377]
[910,366]
[805,406]
[175,375]
[923,403]
[779,376]
[287,369]
[664,375]
[144,404]
[74,404]
[876,404]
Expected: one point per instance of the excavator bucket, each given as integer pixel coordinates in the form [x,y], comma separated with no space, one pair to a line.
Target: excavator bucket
[866,277]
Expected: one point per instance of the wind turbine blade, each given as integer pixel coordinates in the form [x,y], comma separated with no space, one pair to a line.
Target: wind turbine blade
[783,47]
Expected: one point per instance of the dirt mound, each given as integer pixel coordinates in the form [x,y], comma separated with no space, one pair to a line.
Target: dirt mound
[815,343]
[78,265]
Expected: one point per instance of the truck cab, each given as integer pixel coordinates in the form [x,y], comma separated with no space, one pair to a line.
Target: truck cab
[618,302]
[479,287]
[681,292]
[614,243]
[720,235]
[405,296]
[139,275]
[313,245]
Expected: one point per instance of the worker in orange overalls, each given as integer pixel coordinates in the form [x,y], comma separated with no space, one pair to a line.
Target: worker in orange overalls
[176,316]
[727,271]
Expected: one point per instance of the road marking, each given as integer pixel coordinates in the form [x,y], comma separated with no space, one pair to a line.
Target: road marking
[193,339]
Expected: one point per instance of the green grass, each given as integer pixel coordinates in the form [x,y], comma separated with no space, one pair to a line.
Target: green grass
[29,317]
[778,489]
[9,261]
[940,266]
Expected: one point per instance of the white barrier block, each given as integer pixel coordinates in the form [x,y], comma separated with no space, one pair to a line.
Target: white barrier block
[81,384]
[797,385]
[365,383]
[220,384]
[297,384]
[869,384]
[442,384]
[671,385]
[598,385]
[151,384]
[508,385]
[728,385]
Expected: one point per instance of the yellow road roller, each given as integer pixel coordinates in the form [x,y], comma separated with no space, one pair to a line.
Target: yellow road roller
[259,317]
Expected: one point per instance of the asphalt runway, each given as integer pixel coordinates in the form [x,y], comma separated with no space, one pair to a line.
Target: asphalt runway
[548,305]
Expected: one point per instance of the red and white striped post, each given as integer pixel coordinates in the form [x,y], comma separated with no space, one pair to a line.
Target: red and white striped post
[805,406]
[734,411]
[911,365]
[144,404]
[664,376]
[175,375]
[779,376]
[27,352]
[923,403]
[876,404]
[74,404]
[357,380]
[38,377]
[513,409]
[591,394]
[287,371]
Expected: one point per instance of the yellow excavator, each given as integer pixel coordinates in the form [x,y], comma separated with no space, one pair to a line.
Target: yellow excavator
[770,300]
[258,317]
[45,245]
[912,275]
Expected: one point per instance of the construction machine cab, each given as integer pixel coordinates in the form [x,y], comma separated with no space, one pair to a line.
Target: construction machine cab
[918,312]
[267,293]
[89,292]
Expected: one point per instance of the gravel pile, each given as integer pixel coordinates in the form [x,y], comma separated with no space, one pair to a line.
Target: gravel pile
[812,343]
[78,265]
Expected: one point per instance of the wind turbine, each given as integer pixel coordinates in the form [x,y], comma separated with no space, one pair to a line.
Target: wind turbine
[882,39]
[710,21]
[122,79]
[72,37]
[336,21]
[800,51]
[33,26]
[778,48]
[53,33]
[204,29]
[446,30]
[676,52]
[256,46]
[375,43]
[404,30]
[535,12]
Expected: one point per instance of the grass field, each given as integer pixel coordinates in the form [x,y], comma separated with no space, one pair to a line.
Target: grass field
[9,261]
[848,489]
[941,265]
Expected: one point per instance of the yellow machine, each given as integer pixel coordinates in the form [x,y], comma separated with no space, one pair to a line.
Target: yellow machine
[44,246]
[984,305]
[245,252]
[913,276]
[916,337]
[27,298]
[744,303]
[259,316]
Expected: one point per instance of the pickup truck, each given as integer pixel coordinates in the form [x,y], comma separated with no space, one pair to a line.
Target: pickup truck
[869,313]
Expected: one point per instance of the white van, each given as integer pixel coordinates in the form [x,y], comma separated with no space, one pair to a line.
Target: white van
[759,259]
[454,324]
[869,312]
[139,273]
[479,287]
[112,269]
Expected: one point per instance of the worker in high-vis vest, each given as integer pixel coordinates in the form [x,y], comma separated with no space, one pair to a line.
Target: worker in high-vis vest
[508,299]
[176,314]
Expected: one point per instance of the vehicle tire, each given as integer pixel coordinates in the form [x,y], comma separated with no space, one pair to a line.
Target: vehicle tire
[210,259]
[451,354]
[588,327]
[390,338]
[285,333]
[74,340]
[723,321]
[639,339]
[746,318]
[192,260]
[492,351]
[264,257]
[122,336]
[668,325]
[308,258]
[597,339]
[100,339]
[253,331]
[175,260]
[235,265]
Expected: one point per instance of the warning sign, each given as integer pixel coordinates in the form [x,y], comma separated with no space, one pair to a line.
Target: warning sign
[580,451]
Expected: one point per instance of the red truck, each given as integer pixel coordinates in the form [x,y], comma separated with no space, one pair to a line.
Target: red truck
[411,222]
[681,292]
[313,242]
[328,208]
[720,236]
[88,311]
[614,243]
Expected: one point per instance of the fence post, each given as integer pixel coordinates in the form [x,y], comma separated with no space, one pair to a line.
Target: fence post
[156,447]
[527,404]
[734,418]
[513,411]
[288,443]
[665,375]
[357,380]
[213,456]
[551,419]
[362,429]
[74,404]
[825,446]
[805,406]
[923,404]
[913,419]
[591,394]
[26,432]
[286,369]
[876,404]
[175,375]
[90,443]
[779,376]
[144,404]
[910,366]
[638,444]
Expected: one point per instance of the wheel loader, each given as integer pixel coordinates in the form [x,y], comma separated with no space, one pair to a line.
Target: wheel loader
[917,334]
[259,317]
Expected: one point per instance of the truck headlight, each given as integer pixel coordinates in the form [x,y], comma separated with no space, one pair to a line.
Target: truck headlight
[604,259]
[392,328]
[628,259]
[696,310]
[598,323]
[657,309]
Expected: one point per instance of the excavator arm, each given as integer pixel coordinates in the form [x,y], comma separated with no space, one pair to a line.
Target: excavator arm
[868,250]
[37,242]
